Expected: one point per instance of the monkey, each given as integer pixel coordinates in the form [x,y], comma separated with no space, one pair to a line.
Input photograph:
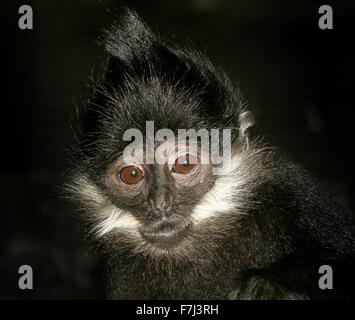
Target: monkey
[259,229]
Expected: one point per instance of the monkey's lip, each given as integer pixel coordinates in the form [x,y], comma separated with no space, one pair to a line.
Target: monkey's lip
[166,234]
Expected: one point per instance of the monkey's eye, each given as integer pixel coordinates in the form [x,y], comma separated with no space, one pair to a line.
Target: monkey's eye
[131,175]
[184,164]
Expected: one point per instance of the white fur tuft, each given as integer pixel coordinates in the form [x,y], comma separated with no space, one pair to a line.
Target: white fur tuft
[104,214]
[232,189]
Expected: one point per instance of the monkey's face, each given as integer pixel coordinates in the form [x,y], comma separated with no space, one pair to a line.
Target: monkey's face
[168,209]
[159,199]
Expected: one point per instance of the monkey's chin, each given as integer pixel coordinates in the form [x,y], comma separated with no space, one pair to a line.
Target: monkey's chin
[166,238]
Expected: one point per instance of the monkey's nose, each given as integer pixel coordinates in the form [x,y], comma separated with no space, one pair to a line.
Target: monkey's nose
[165,202]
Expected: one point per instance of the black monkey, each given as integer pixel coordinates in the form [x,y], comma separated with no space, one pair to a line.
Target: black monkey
[259,230]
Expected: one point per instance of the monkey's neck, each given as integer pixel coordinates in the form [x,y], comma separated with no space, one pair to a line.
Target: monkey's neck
[141,279]
[208,272]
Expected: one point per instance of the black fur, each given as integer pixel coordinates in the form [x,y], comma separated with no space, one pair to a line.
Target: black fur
[291,226]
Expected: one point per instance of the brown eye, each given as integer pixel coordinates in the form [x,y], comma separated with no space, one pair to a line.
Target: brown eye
[184,164]
[131,175]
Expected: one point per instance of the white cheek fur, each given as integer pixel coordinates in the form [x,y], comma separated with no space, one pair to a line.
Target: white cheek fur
[232,190]
[117,218]
[105,216]
[215,201]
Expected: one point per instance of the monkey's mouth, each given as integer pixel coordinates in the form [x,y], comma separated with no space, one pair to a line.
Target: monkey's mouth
[165,234]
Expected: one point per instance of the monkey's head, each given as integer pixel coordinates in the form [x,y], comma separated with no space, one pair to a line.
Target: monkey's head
[176,205]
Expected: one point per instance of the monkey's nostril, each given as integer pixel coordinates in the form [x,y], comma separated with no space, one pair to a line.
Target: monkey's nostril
[165,202]
[166,206]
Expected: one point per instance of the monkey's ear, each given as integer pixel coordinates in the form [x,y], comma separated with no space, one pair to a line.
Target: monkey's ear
[246,121]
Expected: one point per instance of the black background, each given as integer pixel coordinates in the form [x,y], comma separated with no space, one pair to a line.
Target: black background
[297,78]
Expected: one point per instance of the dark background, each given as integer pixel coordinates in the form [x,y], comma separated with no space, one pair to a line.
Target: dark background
[297,78]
